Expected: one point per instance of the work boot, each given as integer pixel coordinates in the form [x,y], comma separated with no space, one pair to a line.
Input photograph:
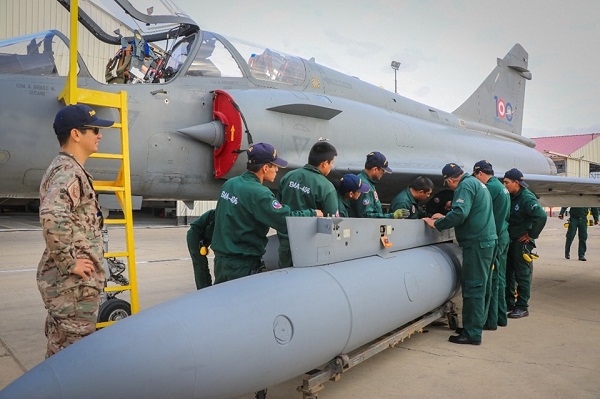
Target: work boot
[518,313]
[461,339]
[582,258]
[567,256]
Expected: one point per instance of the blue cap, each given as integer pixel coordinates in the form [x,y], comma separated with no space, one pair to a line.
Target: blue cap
[262,153]
[76,116]
[516,175]
[451,170]
[352,182]
[378,159]
[483,166]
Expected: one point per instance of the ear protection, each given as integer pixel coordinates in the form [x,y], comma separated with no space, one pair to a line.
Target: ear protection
[528,255]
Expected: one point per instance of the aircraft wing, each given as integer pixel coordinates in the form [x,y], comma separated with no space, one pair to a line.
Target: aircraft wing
[552,190]
[567,191]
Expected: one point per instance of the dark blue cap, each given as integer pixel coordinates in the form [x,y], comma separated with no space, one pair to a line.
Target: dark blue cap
[78,115]
[451,170]
[262,153]
[483,166]
[516,175]
[352,182]
[378,159]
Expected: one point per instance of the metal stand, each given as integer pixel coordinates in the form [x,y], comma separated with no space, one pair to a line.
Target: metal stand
[333,370]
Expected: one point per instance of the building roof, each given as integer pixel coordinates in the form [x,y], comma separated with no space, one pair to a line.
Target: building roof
[564,144]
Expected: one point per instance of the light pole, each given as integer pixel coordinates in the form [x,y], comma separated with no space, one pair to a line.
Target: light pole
[395,66]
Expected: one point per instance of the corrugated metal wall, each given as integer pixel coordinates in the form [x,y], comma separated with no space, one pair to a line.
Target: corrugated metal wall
[589,152]
[21,17]
[577,168]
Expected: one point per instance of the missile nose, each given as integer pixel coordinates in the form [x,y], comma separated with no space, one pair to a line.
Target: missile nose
[29,384]
[211,133]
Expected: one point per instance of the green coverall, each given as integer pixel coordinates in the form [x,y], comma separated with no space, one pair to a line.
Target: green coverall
[305,188]
[368,204]
[473,221]
[578,224]
[501,205]
[526,216]
[405,200]
[245,211]
[200,235]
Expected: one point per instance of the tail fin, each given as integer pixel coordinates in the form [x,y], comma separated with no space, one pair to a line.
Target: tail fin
[498,102]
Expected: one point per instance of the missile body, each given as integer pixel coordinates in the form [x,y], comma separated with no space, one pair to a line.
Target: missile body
[248,334]
[345,290]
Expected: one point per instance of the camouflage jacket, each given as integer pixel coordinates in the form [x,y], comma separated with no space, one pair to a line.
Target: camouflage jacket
[70,218]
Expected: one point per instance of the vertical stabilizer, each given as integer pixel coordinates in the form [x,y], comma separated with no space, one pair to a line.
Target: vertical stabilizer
[498,101]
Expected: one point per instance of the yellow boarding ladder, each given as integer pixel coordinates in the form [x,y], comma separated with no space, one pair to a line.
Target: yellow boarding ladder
[121,186]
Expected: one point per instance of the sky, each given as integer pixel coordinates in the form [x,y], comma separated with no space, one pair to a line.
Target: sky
[446,48]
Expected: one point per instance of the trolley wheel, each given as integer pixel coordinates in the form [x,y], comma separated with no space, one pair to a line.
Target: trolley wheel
[114,310]
[453,321]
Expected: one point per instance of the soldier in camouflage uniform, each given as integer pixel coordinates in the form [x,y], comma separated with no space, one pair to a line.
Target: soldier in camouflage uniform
[70,275]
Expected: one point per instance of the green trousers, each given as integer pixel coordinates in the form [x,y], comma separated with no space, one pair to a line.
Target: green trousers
[285,253]
[579,226]
[518,276]
[497,305]
[476,268]
[199,263]
[233,267]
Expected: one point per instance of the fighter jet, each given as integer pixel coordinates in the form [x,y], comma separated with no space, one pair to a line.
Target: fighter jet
[201,98]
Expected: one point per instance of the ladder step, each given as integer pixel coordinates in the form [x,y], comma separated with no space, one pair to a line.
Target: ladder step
[105,324]
[115,221]
[100,187]
[114,288]
[116,254]
[106,155]
[95,97]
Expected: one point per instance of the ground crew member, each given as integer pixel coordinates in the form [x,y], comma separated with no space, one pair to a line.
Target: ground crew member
[410,197]
[473,221]
[526,221]
[308,188]
[199,237]
[578,224]
[349,188]
[484,172]
[245,211]
[368,204]
[441,202]
[70,275]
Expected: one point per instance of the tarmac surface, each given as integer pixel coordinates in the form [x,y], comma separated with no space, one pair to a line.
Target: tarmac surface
[553,353]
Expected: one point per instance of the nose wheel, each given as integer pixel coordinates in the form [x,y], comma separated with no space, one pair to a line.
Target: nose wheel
[113,310]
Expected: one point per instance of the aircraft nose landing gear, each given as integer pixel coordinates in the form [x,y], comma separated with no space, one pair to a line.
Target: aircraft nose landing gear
[113,309]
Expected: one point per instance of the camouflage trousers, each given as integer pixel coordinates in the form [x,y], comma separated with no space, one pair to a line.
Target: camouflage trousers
[72,311]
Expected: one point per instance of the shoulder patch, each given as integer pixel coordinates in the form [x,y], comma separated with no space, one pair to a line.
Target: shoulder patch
[74,191]
[276,204]
[366,202]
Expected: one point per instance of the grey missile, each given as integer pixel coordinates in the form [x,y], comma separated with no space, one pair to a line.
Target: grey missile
[345,290]
[248,334]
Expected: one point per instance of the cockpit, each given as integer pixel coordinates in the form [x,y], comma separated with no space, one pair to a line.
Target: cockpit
[147,49]
[42,54]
